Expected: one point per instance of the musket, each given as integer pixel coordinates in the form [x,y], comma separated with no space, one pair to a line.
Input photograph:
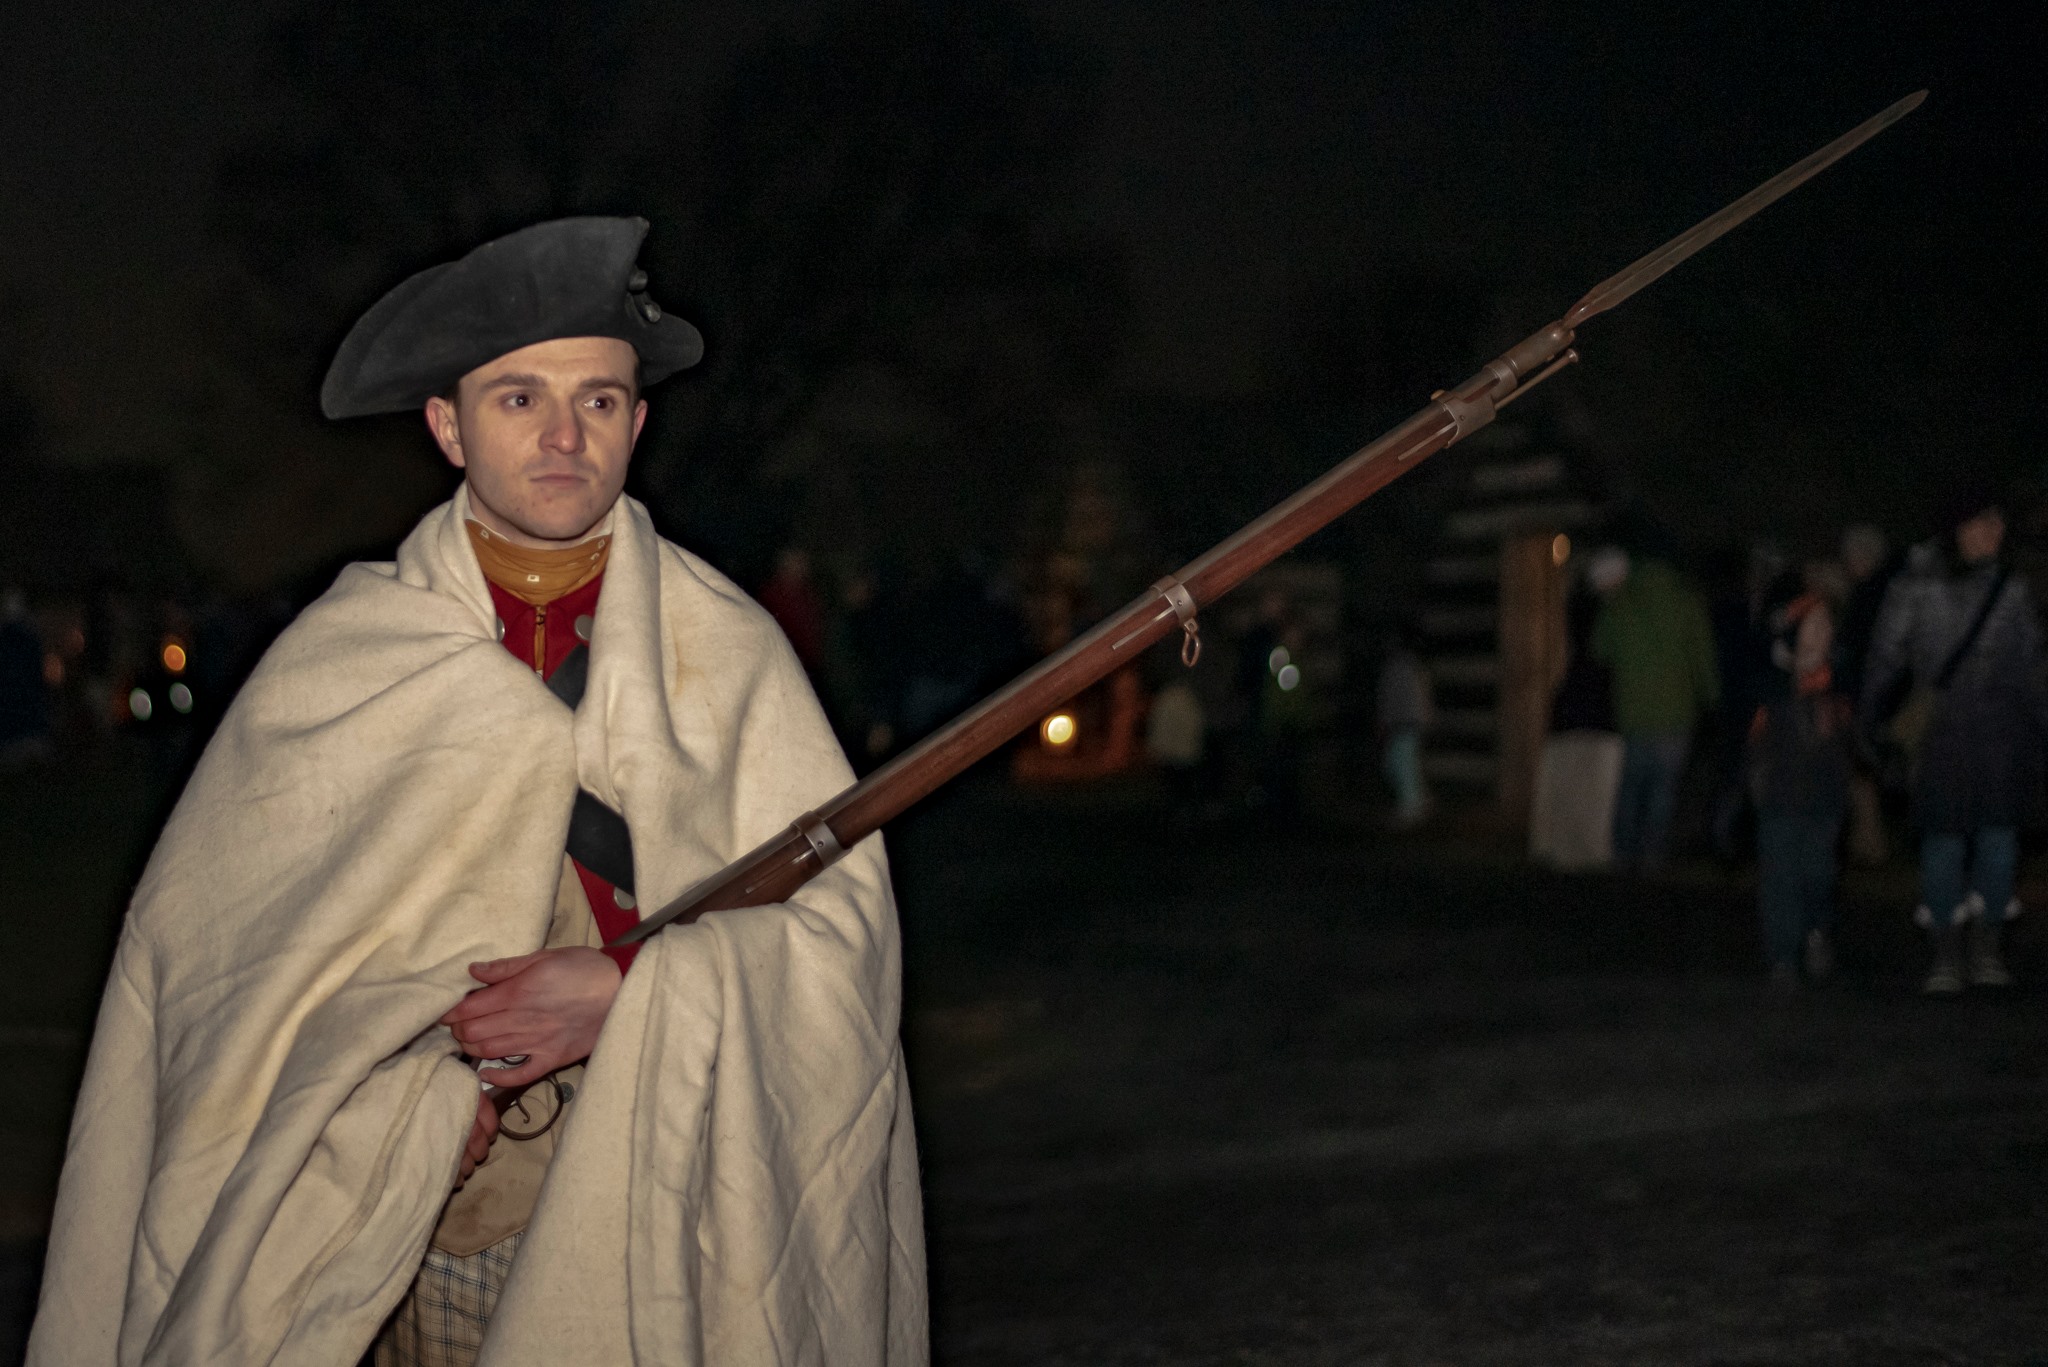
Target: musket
[815,840]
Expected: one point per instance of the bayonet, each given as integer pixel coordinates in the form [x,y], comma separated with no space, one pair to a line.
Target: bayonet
[817,839]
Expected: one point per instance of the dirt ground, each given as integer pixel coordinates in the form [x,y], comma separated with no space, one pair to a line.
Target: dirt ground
[1335,1100]
[1221,1097]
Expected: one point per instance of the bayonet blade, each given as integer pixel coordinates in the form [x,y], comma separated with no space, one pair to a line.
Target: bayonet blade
[1616,288]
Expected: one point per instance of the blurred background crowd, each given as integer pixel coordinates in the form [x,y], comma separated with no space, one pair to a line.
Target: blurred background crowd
[1529,654]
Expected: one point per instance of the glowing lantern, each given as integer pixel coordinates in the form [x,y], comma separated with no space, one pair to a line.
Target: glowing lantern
[1058,730]
[140,705]
[1560,549]
[174,655]
[181,697]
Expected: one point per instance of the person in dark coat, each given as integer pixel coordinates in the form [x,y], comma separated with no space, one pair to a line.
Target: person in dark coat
[1871,565]
[1798,756]
[1980,765]
[24,693]
[791,598]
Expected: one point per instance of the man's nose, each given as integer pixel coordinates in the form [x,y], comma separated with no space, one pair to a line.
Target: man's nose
[564,431]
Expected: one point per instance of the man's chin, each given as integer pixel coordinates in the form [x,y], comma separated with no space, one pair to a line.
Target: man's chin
[562,528]
[563,520]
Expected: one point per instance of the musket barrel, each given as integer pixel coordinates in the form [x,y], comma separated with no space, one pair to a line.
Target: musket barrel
[785,862]
[781,865]
[775,869]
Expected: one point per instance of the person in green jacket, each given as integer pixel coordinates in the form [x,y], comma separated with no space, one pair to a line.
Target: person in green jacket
[1654,634]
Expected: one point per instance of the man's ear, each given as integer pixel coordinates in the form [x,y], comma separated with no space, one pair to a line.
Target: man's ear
[639,418]
[441,421]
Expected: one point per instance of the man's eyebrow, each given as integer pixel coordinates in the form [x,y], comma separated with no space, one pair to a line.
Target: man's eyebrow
[522,380]
[514,381]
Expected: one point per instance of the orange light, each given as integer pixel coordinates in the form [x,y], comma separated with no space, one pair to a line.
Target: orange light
[174,656]
[53,669]
[1058,730]
[1560,549]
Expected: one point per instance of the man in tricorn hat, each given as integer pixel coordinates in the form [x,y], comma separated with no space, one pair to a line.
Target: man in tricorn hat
[448,785]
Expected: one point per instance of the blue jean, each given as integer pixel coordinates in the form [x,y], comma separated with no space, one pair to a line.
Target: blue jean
[1402,765]
[1795,866]
[1651,765]
[1948,873]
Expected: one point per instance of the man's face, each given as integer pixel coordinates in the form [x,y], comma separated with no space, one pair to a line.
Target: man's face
[543,436]
[1980,538]
[1814,641]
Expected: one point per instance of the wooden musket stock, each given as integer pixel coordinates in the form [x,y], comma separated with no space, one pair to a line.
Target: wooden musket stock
[785,863]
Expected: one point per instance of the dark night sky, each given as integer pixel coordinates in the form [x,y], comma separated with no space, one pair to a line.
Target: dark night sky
[1245,153]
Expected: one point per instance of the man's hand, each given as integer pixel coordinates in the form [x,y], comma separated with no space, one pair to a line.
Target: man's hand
[548,1006]
[481,1133]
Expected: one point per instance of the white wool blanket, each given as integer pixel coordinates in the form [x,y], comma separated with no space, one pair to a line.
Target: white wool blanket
[271,1119]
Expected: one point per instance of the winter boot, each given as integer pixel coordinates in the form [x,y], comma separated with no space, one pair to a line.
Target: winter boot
[1945,978]
[1986,968]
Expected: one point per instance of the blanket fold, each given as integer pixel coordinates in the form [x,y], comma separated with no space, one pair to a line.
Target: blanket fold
[271,1120]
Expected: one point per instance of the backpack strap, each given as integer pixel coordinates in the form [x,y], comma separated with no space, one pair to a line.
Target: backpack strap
[1962,650]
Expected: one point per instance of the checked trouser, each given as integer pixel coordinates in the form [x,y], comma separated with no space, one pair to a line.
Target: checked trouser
[440,1323]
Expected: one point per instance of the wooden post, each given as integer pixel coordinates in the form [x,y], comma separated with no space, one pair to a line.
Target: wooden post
[1532,646]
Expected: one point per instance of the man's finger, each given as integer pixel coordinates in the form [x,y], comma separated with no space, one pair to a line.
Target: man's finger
[481,1001]
[495,1038]
[497,970]
[496,1025]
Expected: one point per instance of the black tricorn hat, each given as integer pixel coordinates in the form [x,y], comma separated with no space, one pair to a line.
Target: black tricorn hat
[571,277]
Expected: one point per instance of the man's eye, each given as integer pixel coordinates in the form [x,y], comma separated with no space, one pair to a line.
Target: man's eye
[601,401]
[518,400]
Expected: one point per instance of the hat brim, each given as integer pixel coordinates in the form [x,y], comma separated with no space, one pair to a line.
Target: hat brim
[567,278]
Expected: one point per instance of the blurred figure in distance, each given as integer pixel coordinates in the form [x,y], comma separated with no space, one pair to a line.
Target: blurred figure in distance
[1571,820]
[1406,710]
[792,600]
[1176,741]
[1799,756]
[24,690]
[1962,631]
[1653,632]
[1867,559]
